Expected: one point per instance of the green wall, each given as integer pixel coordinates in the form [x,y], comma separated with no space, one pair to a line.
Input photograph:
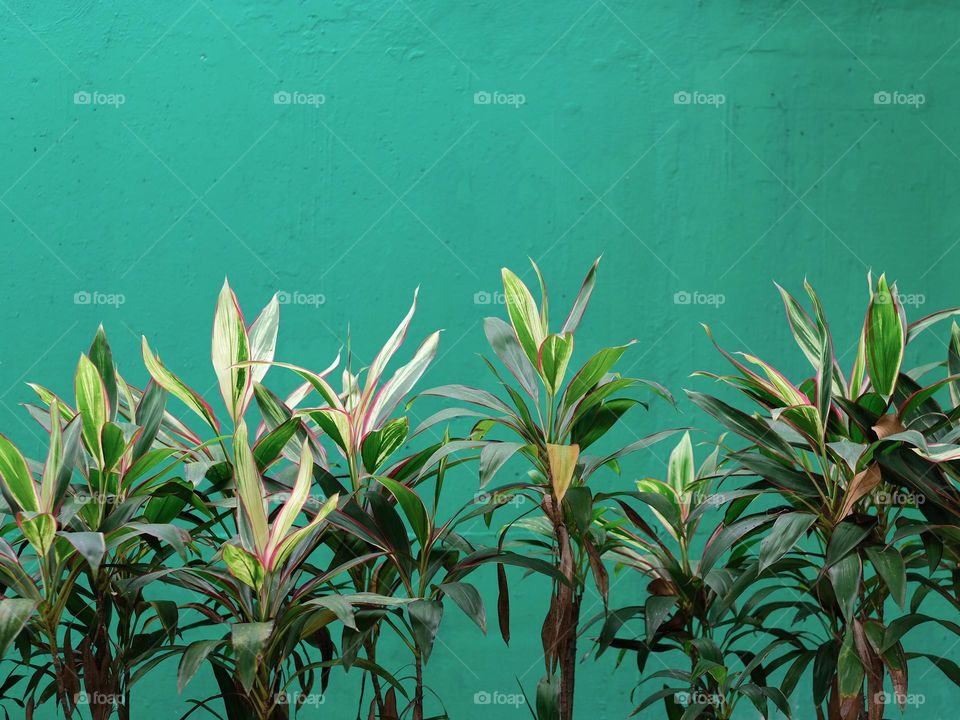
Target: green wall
[400,177]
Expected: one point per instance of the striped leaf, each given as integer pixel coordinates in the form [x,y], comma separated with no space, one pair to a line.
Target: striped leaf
[524,315]
[231,346]
[93,405]
[885,338]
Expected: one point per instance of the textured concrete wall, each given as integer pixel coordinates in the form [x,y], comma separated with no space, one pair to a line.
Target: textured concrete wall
[706,148]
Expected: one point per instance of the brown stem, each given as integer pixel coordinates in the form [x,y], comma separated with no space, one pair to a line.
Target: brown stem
[418,698]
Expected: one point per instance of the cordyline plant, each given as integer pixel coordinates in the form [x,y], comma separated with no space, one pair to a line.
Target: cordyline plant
[260,587]
[551,422]
[401,559]
[828,452]
[690,600]
[91,522]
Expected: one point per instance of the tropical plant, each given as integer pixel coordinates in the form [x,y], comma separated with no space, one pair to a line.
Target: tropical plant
[92,522]
[550,423]
[690,604]
[827,452]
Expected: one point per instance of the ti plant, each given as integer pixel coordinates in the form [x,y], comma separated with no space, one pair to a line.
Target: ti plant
[828,452]
[260,587]
[689,606]
[93,521]
[551,422]
[401,558]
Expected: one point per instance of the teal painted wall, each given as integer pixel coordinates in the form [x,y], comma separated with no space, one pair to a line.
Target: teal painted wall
[387,170]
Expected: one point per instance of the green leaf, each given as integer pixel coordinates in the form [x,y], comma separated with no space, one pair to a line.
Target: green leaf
[102,358]
[504,342]
[263,338]
[722,541]
[493,456]
[656,610]
[592,372]
[890,566]
[54,464]
[953,363]
[846,536]
[401,383]
[845,578]
[243,566]
[250,490]
[850,671]
[524,315]
[583,298]
[425,616]
[231,346]
[40,529]
[548,699]
[412,507]
[825,362]
[743,424]
[93,405]
[173,385]
[149,417]
[563,463]
[885,338]
[467,597]
[681,472]
[192,659]
[16,476]
[14,614]
[249,640]
[786,530]
[380,444]
[552,360]
[91,545]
